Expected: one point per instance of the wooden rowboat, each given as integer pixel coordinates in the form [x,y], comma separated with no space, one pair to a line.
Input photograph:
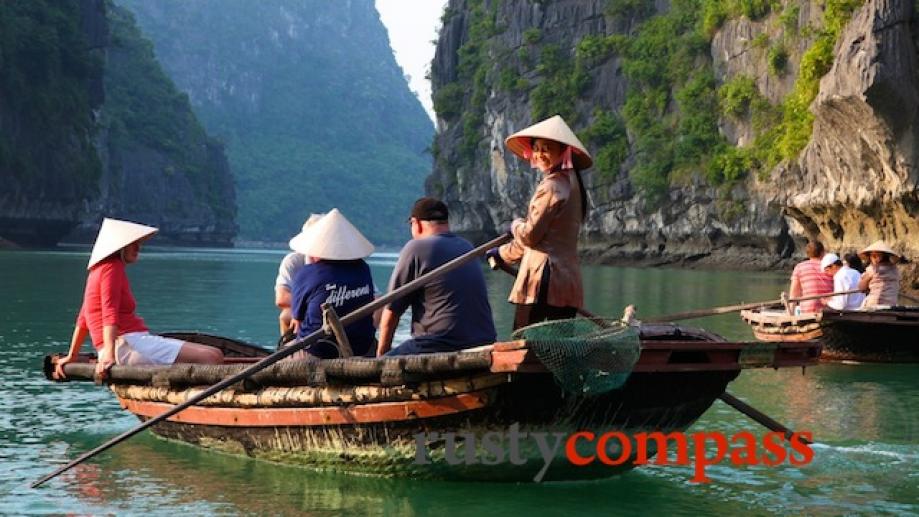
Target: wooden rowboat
[889,335]
[365,416]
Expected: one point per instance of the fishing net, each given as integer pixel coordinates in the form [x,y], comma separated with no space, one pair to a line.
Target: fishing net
[586,356]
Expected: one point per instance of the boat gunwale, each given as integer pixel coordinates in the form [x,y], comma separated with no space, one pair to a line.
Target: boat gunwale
[511,357]
[356,414]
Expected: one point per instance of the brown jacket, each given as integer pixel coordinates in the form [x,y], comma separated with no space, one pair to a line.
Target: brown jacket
[549,236]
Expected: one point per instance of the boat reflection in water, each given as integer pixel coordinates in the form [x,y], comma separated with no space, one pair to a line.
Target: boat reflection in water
[152,475]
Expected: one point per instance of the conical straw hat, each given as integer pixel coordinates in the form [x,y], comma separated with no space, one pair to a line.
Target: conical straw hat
[553,128]
[299,239]
[115,234]
[882,247]
[332,238]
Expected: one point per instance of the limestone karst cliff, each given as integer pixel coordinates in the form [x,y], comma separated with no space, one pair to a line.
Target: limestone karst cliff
[308,97]
[90,126]
[725,132]
[51,79]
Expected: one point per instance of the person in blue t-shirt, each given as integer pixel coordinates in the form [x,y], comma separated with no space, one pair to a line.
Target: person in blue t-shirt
[283,285]
[337,275]
[449,313]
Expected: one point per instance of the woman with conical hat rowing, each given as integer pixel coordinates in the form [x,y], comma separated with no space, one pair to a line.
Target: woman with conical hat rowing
[881,278]
[107,313]
[336,273]
[548,284]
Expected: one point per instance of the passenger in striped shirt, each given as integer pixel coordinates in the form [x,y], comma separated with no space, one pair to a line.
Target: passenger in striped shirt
[808,279]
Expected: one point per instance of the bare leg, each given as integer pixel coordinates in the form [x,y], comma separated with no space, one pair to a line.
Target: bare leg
[198,353]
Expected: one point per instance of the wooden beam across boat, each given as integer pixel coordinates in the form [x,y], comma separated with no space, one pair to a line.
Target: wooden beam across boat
[686,356]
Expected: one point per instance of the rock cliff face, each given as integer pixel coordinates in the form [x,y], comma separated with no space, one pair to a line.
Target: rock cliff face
[159,167]
[91,127]
[50,84]
[855,180]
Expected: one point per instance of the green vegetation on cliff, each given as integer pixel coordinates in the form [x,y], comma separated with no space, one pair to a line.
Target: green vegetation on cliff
[142,103]
[672,106]
[313,109]
[783,131]
[451,101]
[91,126]
[50,81]
[143,106]
[674,102]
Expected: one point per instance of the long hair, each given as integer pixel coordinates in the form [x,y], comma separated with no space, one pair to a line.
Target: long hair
[584,199]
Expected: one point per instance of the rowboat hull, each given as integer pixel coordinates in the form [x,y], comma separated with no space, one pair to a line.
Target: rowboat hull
[880,336]
[877,336]
[418,419]
[389,448]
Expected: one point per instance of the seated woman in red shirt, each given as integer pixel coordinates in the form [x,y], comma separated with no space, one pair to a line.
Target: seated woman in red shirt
[107,314]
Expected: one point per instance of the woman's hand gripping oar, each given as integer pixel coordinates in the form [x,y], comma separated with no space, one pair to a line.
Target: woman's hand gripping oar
[748,410]
[294,346]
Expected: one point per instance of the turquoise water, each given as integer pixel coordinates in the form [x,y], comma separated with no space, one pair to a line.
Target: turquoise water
[865,418]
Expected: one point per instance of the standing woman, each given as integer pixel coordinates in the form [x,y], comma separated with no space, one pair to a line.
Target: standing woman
[881,278]
[107,314]
[548,284]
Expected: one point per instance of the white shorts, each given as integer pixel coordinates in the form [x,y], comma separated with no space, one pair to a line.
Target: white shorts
[144,348]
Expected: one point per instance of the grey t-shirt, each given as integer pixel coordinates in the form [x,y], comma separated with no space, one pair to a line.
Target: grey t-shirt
[291,263]
[452,309]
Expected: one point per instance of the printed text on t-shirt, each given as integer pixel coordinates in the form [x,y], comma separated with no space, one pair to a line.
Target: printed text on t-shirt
[341,294]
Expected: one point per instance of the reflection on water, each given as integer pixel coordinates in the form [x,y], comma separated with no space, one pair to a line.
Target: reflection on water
[864,417]
[181,475]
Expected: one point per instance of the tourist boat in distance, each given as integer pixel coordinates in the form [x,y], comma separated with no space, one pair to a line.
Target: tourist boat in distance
[363,415]
[884,335]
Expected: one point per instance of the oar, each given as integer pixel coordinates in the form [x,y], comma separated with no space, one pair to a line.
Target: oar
[511,270]
[735,308]
[758,416]
[748,410]
[291,348]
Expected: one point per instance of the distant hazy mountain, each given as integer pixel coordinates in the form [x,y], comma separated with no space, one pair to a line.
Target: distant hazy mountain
[310,102]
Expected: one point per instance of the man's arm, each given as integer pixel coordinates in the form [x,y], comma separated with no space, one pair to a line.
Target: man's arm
[794,290]
[282,297]
[388,323]
[403,273]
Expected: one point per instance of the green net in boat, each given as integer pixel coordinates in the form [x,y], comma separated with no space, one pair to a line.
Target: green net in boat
[586,356]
